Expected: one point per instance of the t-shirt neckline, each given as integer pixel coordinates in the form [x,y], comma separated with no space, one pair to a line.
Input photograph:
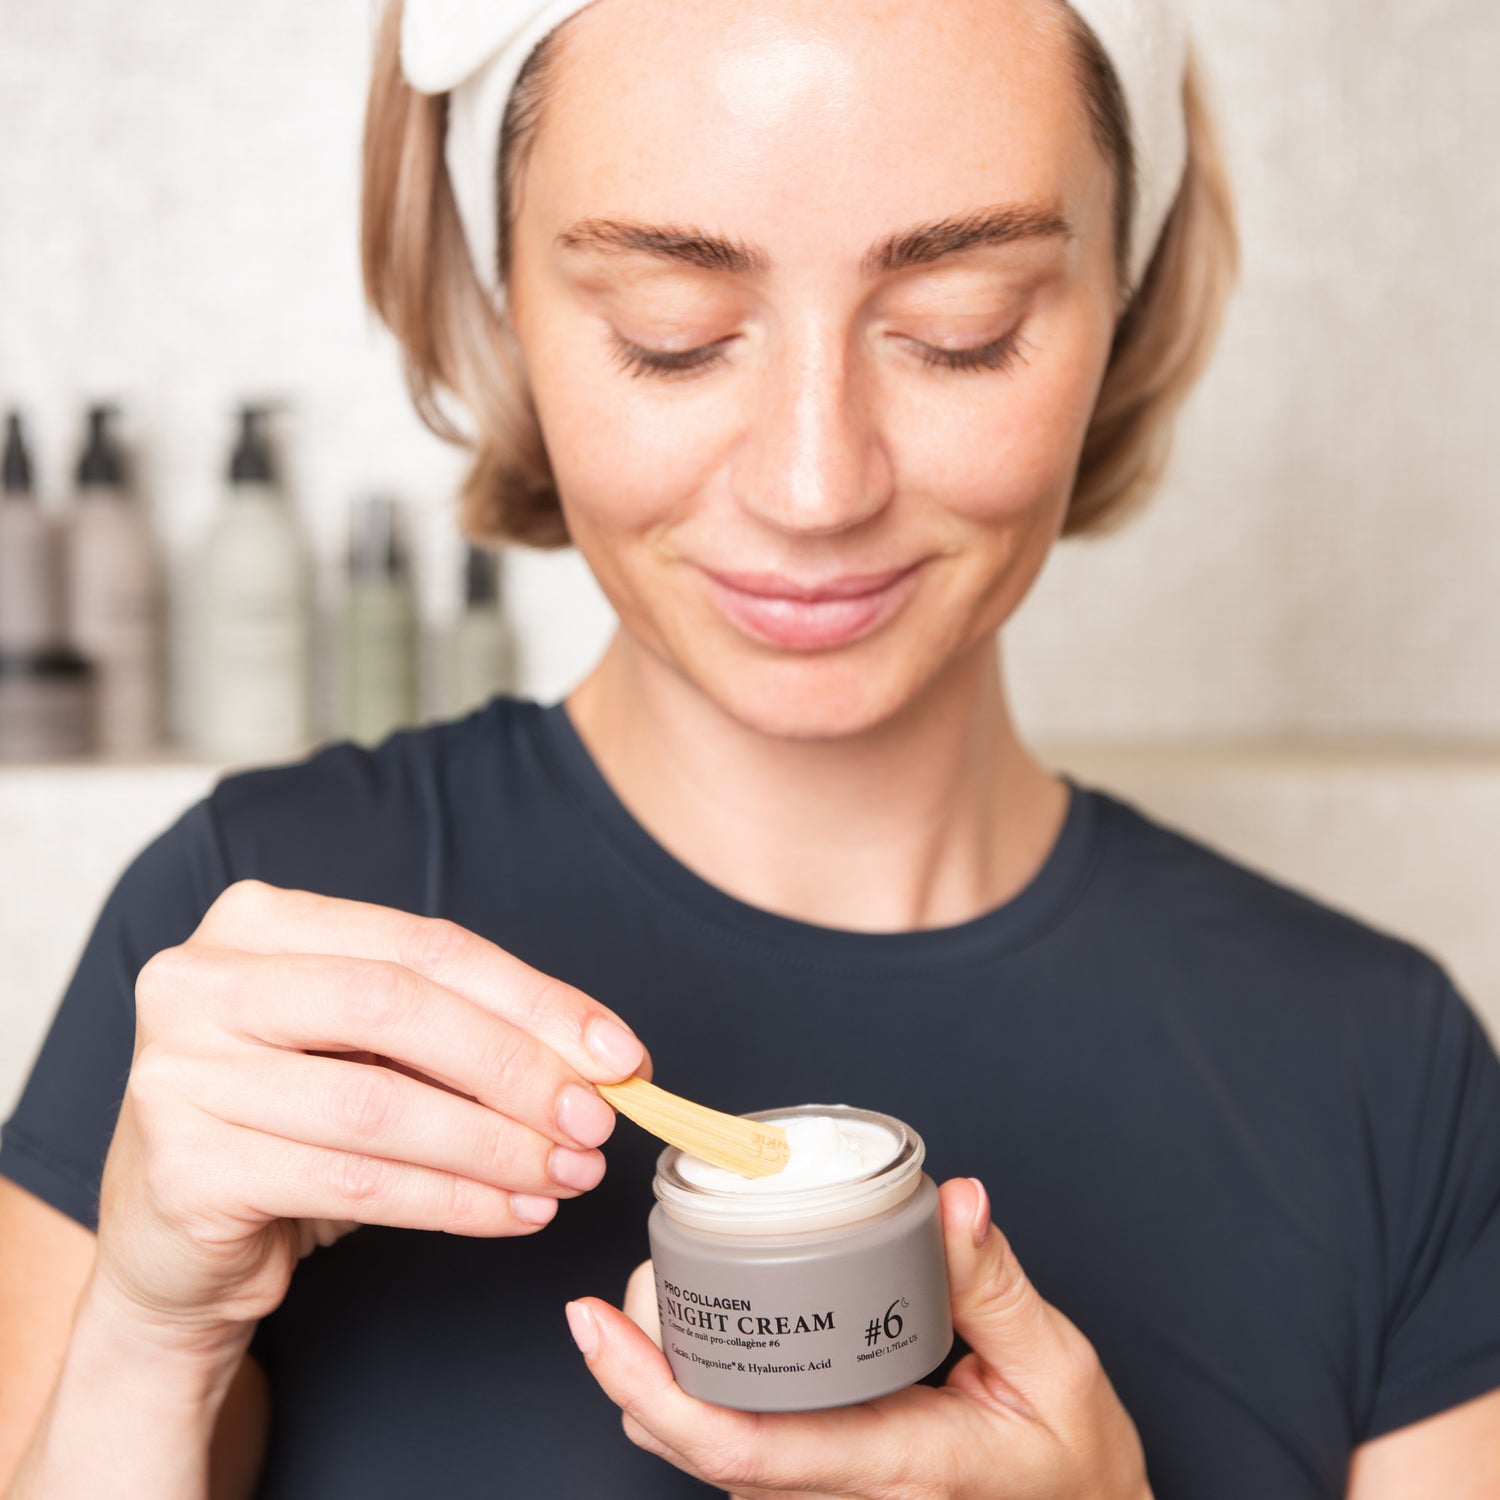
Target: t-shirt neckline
[1041,903]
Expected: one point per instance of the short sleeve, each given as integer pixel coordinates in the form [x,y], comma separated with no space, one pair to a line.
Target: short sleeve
[1441,1339]
[55,1142]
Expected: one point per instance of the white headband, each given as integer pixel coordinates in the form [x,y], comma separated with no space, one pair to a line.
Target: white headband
[473,51]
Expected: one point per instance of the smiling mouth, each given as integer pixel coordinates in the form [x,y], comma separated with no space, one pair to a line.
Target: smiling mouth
[810,615]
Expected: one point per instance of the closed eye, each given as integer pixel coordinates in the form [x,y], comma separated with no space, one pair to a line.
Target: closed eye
[999,354]
[637,361]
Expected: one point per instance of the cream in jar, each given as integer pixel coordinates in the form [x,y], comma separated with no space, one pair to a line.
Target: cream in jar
[821,1285]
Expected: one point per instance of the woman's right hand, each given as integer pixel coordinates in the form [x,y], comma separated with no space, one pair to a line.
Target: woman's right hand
[305,1064]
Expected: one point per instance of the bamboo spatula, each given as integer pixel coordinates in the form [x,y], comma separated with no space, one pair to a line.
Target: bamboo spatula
[752,1148]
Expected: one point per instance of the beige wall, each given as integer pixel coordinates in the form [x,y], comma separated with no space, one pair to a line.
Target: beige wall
[1325,559]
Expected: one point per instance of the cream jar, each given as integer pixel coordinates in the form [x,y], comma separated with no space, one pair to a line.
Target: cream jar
[776,1296]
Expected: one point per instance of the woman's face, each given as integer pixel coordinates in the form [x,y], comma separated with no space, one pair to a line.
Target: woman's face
[815,298]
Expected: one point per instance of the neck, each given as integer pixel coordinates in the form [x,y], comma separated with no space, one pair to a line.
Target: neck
[926,820]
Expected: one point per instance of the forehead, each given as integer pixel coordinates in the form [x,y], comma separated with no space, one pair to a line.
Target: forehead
[791,116]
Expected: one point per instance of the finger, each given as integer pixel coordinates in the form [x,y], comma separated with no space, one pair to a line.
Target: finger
[258,918]
[640,1302]
[822,1452]
[375,1111]
[995,1307]
[318,1003]
[269,1178]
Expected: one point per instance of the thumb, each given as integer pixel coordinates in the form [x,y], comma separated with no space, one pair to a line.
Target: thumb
[996,1309]
[640,1302]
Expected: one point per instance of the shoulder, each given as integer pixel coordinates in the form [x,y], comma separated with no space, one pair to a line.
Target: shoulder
[367,822]
[1241,937]
[1349,1034]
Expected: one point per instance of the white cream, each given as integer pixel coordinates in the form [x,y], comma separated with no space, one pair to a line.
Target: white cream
[825,1151]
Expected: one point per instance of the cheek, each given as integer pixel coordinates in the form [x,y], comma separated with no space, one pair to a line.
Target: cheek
[628,467]
[1004,453]
[630,475]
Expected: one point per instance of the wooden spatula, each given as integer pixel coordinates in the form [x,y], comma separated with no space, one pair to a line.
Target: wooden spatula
[752,1148]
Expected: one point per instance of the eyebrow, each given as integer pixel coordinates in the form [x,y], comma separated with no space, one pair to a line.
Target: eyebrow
[921,244]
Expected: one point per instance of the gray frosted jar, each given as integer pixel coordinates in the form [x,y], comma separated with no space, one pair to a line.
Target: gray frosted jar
[792,1301]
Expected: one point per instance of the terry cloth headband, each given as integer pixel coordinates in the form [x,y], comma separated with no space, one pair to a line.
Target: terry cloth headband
[473,51]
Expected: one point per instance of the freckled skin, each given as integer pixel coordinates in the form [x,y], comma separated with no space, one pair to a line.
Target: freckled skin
[820,443]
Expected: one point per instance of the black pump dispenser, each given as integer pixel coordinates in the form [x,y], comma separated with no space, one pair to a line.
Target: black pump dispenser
[376,548]
[101,465]
[251,461]
[481,577]
[17,463]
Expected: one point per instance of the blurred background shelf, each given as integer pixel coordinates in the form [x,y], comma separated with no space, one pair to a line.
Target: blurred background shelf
[1407,839]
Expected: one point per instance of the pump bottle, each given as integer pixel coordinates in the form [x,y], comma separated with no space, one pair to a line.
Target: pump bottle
[46,690]
[114,596]
[379,627]
[481,652]
[30,579]
[252,672]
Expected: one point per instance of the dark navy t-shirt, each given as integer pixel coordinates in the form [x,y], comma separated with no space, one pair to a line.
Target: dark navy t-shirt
[1248,1144]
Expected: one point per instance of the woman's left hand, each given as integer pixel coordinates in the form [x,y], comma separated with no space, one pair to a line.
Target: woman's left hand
[1028,1415]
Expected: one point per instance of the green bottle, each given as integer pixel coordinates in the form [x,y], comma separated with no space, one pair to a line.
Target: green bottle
[481,649]
[379,627]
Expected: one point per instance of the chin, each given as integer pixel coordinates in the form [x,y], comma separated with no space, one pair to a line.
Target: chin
[825,698]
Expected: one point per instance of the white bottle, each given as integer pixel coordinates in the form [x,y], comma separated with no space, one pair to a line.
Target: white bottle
[114,597]
[481,651]
[252,625]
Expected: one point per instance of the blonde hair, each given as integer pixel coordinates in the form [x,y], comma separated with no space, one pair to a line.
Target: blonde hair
[456,347]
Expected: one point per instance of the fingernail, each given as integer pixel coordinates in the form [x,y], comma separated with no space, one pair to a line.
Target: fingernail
[575,1169]
[583,1115]
[532,1209]
[616,1048]
[584,1329]
[981,1226]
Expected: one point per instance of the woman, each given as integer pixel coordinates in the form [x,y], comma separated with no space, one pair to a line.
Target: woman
[812,326]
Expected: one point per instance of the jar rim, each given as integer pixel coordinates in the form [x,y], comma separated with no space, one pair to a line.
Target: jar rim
[828,1206]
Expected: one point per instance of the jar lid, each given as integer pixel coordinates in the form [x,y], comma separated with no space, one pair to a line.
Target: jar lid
[800,1209]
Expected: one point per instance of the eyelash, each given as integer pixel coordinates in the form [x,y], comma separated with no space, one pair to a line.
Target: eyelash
[1000,354]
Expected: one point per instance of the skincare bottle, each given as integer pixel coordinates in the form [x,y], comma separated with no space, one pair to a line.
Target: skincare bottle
[378,631]
[481,651]
[252,616]
[30,579]
[794,1297]
[114,596]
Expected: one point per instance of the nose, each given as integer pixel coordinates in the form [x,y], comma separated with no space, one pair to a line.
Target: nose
[812,461]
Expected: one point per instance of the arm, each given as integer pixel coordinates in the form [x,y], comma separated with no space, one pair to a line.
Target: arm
[1434,1425]
[45,1260]
[1455,1454]
[301,1065]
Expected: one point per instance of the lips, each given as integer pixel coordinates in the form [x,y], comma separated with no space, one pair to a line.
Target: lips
[810,614]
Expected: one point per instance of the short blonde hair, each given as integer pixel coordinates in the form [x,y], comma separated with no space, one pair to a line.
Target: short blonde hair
[419,279]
